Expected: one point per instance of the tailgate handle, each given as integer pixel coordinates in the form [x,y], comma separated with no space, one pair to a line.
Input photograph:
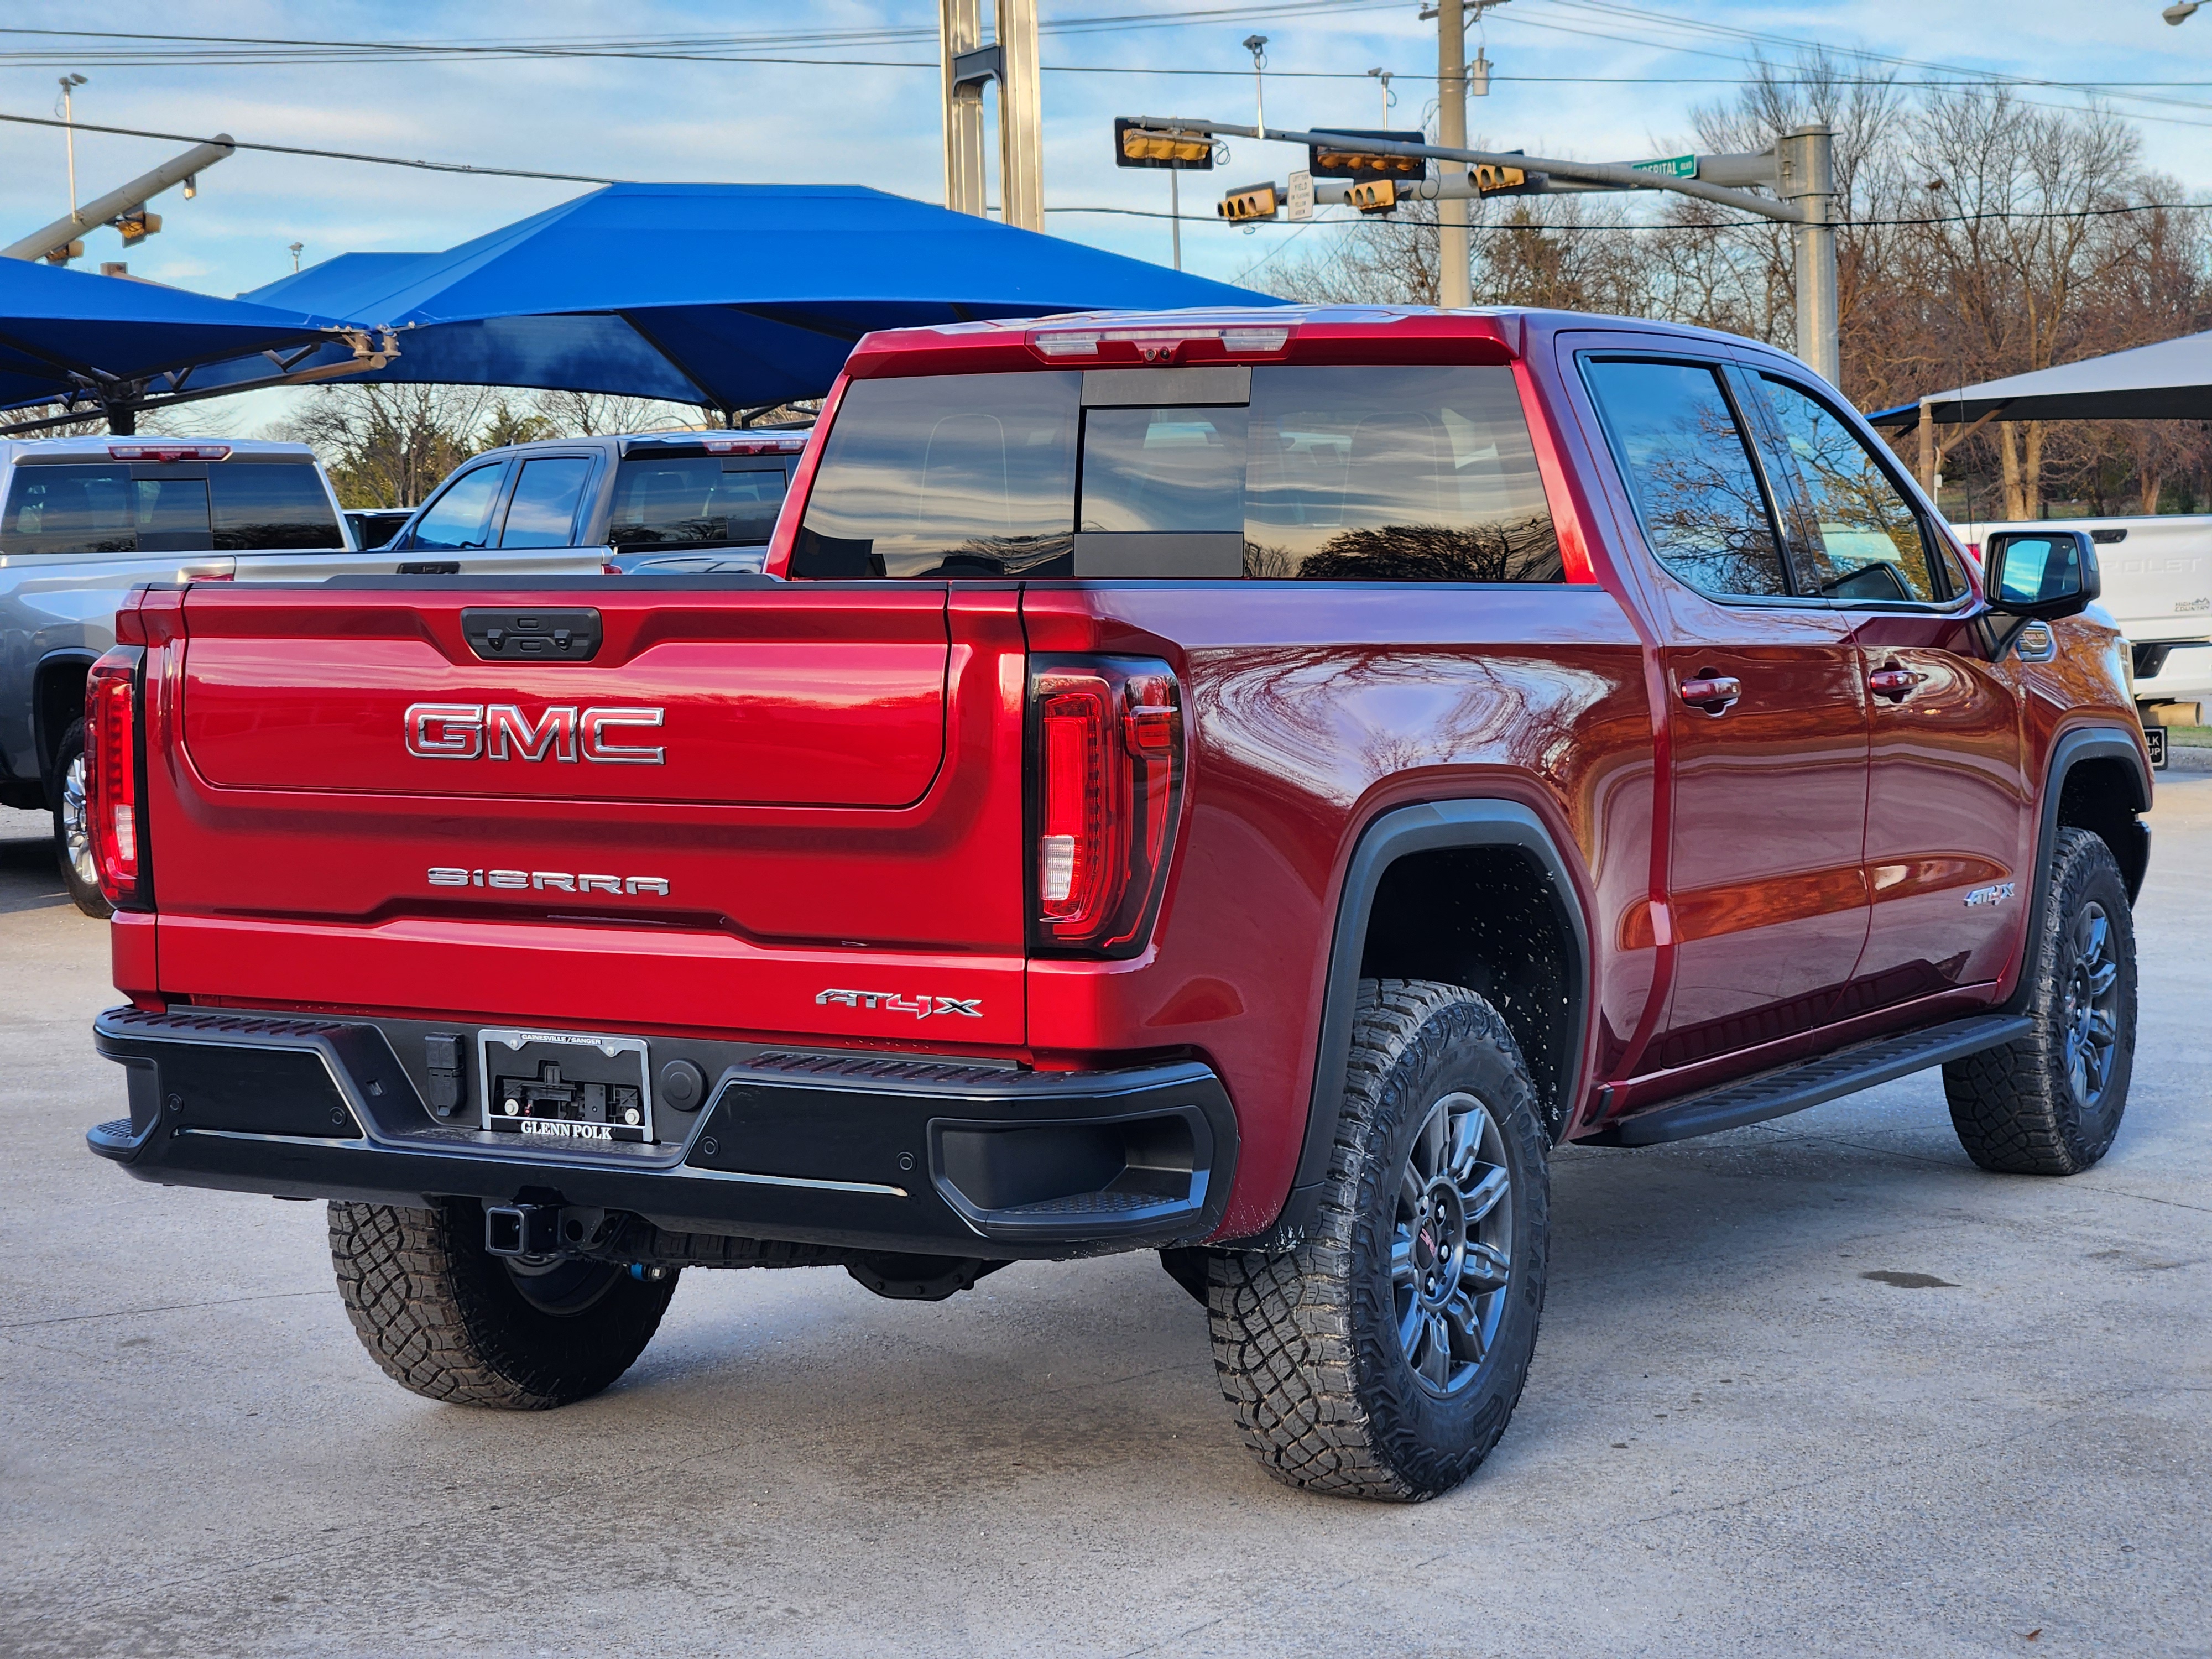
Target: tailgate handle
[537,634]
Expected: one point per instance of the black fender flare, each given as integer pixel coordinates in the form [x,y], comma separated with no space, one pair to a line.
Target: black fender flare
[1393,834]
[2082,742]
[44,741]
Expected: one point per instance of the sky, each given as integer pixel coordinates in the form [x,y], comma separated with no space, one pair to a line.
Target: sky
[1586,79]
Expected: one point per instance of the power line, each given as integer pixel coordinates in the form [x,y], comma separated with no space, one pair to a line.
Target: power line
[325,154]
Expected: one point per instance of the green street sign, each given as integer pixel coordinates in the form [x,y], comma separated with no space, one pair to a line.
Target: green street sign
[1674,167]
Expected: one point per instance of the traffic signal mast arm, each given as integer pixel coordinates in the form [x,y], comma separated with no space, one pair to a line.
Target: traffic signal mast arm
[1600,176]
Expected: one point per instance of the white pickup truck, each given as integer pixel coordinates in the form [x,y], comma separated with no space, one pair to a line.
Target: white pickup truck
[84,520]
[2157,575]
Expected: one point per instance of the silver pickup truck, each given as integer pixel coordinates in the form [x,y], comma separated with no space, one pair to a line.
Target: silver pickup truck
[84,520]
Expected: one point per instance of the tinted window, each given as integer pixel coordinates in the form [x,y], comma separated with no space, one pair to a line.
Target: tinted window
[1162,469]
[698,500]
[967,475]
[542,510]
[1395,475]
[461,517]
[1697,495]
[1852,533]
[103,509]
[1335,474]
[265,504]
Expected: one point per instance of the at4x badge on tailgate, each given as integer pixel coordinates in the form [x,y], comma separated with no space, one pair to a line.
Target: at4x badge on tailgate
[921,1007]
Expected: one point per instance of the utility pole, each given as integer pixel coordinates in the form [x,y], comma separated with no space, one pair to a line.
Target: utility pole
[1011,61]
[1455,253]
[1805,177]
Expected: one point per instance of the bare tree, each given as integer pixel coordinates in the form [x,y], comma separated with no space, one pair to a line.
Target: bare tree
[388,444]
[589,414]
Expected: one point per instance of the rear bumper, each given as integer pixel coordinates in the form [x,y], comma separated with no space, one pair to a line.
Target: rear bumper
[855,1149]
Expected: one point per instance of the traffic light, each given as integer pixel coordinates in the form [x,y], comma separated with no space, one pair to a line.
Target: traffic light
[1137,145]
[1253,201]
[136,225]
[62,253]
[1328,160]
[1492,181]
[1374,196]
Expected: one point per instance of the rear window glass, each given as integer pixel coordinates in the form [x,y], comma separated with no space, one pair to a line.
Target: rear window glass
[270,504]
[103,509]
[1358,474]
[695,501]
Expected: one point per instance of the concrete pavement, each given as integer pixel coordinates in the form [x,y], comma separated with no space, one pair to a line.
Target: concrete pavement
[1814,1387]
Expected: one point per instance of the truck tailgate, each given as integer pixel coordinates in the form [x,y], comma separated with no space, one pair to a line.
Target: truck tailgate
[756,808]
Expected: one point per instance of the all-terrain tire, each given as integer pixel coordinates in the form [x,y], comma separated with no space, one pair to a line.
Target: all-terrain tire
[1311,1342]
[2037,1106]
[72,831]
[450,1320]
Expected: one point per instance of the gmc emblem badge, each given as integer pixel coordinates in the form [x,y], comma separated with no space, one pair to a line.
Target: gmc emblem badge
[501,731]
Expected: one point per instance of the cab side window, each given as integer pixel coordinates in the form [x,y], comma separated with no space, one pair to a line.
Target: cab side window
[461,517]
[542,511]
[1852,533]
[1697,493]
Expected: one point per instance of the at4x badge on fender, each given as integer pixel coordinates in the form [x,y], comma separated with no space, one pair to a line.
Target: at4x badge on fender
[921,1007]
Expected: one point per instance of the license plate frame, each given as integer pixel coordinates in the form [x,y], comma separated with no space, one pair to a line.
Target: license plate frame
[580,1104]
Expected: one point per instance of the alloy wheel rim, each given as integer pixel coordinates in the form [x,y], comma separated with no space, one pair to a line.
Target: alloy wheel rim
[1451,1243]
[2089,1018]
[76,824]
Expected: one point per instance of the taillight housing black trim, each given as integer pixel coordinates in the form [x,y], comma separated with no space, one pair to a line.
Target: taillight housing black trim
[115,776]
[1106,756]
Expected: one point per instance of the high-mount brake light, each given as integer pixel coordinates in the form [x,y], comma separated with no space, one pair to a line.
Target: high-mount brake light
[111,773]
[753,446]
[1164,340]
[169,452]
[1108,748]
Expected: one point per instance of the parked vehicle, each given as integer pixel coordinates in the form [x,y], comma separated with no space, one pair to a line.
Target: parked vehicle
[82,520]
[662,503]
[1240,785]
[2157,587]
[374,526]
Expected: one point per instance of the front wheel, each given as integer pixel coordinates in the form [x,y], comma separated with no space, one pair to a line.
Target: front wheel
[1382,1356]
[2050,1102]
[73,827]
[447,1318]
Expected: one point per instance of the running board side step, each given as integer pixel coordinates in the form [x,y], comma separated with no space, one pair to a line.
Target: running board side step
[1813,1082]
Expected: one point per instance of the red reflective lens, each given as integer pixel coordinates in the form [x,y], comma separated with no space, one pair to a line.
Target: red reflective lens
[1110,760]
[111,773]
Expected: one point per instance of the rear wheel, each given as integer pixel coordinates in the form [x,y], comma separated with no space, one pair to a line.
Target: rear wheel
[2050,1102]
[73,827]
[450,1320]
[1382,1356]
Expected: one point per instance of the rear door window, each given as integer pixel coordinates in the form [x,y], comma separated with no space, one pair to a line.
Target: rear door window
[1697,496]
[461,515]
[104,509]
[542,510]
[1338,473]
[270,504]
[695,501]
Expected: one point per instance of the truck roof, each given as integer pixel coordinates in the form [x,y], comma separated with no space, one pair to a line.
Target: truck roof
[111,447]
[1310,334]
[718,440]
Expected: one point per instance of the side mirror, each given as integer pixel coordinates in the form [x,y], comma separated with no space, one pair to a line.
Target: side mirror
[2039,575]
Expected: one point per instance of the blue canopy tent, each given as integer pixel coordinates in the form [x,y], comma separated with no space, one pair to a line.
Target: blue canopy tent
[737,296]
[106,343]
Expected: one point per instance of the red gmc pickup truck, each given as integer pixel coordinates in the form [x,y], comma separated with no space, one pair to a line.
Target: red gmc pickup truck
[1241,785]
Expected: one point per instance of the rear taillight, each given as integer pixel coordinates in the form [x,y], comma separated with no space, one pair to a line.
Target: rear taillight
[1107,751]
[113,822]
